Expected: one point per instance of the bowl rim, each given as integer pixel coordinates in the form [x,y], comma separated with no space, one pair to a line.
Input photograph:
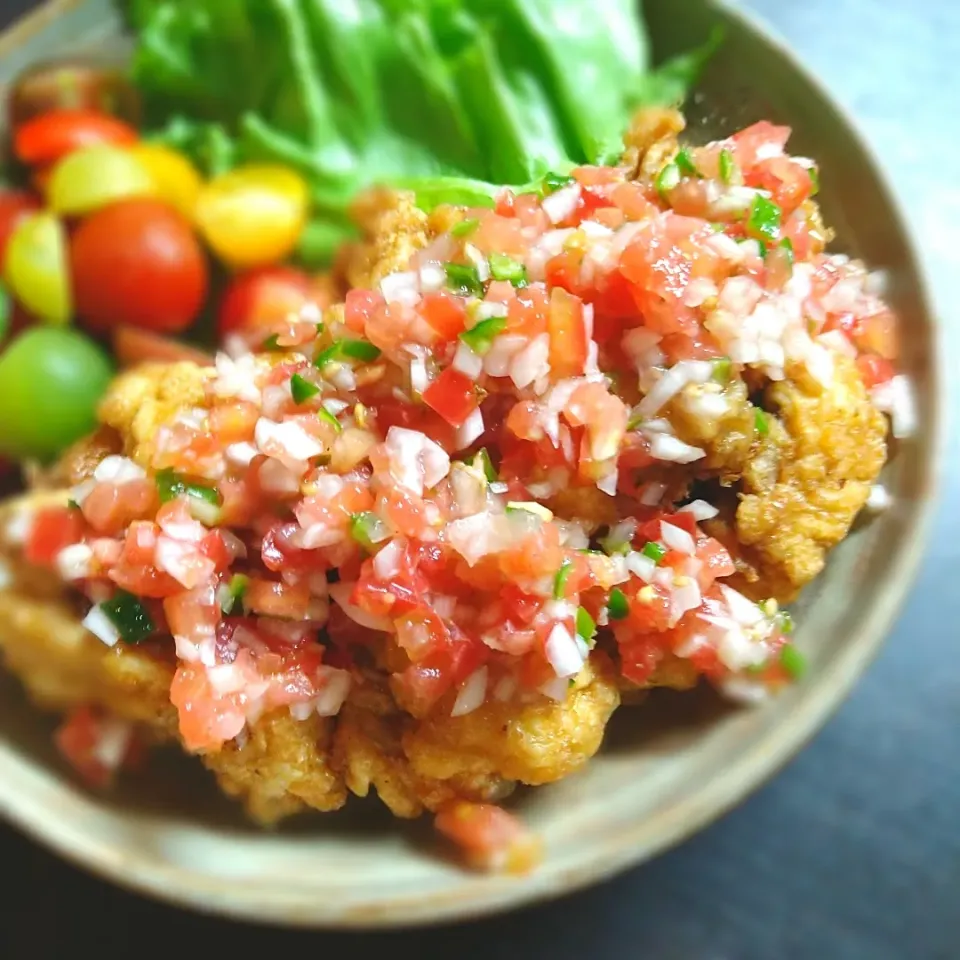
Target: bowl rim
[767,754]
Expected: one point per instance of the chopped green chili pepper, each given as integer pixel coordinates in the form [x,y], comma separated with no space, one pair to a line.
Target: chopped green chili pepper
[480,336]
[586,625]
[73,505]
[170,486]
[482,460]
[463,279]
[654,551]
[560,580]
[465,227]
[667,179]
[729,171]
[129,616]
[722,369]
[327,417]
[815,179]
[793,661]
[617,605]
[233,601]
[302,390]
[271,343]
[761,423]
[552,182]
[505,268]
[786,244]
[764,219]
[347,350]
[685,164]
[785,622]
[367,529]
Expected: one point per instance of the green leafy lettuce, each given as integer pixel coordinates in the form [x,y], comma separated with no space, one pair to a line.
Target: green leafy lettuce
[450,98]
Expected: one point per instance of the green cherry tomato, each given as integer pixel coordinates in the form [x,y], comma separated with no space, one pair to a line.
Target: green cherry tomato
[36,267]
[51,381]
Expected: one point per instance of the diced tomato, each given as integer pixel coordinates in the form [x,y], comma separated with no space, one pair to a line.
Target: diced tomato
[96,747]
[48,137]
[499,234]
[568,335]
[193,614]
[453,395]
[788,182]
[52,529]
[489,837]
[752,142]
[421,632]
[208,719]
[444,313]
[274,598]
[359,307]
[874,370]
[422,684]
[109,508]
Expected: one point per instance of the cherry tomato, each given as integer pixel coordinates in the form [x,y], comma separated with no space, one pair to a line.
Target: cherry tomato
[50,384]
[93,177]
[36,269]
[253,216]
[52,135]
[69,85]
[261,298]
[138,263]
[175,178]
[14,206]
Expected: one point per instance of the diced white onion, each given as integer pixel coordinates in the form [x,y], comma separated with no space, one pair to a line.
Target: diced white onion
[652,493]
[742,608]
[472,693]
[75,562]
[100,625]
[562,652]
[386,563]
[531,362]
[677,538]
[287,438]
[467,362]
[471,429]
[116,469]
[663,447]
[641,566]
[700,509]
[333,693]
[240,454]
[879,498]
[403,287]
[562,203]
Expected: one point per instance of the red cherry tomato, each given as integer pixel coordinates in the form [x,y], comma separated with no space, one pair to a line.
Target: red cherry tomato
[137,263]
[14,206]
[261,298]
[52,135]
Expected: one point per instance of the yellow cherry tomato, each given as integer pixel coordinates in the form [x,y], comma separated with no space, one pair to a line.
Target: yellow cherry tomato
[253,216]
[36,267]
[94,177]
[175,179]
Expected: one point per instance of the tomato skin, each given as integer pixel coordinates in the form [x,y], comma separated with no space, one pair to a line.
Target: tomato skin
[138,263]
[445,314]
[52,135]
[262,297]
[175,178]
[14,206]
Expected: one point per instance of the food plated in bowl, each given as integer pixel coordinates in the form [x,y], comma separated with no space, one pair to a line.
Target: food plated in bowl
[556,451]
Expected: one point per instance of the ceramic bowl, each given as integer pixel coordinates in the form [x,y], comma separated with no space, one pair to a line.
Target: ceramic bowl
[668,767]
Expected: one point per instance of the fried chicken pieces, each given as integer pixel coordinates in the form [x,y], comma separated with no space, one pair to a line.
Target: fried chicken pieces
[793,494]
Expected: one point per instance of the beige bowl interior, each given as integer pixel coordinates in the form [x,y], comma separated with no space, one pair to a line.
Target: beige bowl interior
[668,767]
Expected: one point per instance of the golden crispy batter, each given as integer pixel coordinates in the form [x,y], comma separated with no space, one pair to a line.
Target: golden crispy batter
[394,228]
[62,665]
[727,438]
[651,140]
[802,492]
[143,398]
[535,743]
[283,768]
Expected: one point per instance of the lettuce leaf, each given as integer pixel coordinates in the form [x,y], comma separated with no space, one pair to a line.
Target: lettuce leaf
[450,98]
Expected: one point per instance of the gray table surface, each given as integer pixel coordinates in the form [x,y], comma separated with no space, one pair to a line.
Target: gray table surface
[853,851]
